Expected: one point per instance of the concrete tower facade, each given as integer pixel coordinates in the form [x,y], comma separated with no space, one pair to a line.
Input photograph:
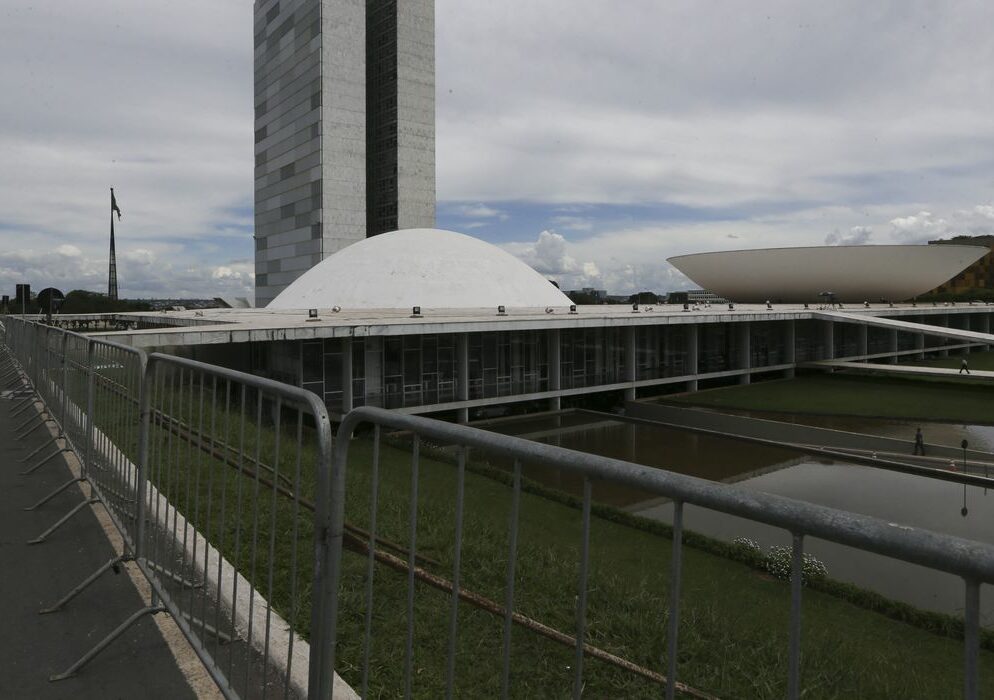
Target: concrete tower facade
[344,128]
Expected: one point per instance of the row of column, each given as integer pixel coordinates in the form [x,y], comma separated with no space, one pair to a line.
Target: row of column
[692,334]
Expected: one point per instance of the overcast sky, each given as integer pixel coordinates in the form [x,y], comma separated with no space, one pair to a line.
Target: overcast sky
[591,138]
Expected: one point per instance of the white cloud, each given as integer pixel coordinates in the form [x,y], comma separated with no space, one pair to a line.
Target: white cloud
[925,226]
[481,211]
[550,256]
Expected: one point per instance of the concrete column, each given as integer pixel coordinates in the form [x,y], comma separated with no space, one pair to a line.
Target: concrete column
[630,362]
[555,377]
[745,352]
[920,346]
[941,320]
[827,342]
[861,339]
[462,369]
[692,333]
[347,401]
[789,347]
[985,327]
[892,345]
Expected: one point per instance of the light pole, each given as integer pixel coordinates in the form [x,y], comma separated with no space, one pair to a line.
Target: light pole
[964,445]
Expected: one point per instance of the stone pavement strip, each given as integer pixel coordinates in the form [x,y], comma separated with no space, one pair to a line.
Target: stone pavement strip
[33,647]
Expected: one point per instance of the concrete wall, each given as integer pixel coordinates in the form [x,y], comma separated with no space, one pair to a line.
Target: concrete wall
[415,114]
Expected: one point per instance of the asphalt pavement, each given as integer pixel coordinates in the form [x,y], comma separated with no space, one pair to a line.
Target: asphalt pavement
[34,647]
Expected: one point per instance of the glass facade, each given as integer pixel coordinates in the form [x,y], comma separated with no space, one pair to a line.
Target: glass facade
[846,340]
[717,347]
[807,340]
[661,351]
[424,370]
[766,343]
[591,356]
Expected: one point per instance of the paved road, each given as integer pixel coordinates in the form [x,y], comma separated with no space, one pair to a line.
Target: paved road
[33,646]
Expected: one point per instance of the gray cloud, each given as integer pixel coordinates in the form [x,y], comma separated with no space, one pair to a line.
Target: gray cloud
[858,235]
[840,115]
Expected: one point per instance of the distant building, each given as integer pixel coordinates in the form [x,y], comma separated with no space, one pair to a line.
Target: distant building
[695,296]
[978,277]
[844,274]
[344,128]
[588,295]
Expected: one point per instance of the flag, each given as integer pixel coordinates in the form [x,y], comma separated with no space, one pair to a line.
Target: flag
[113,205]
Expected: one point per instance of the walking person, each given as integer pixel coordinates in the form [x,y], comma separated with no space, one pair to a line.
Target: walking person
[963,367]
[919,443]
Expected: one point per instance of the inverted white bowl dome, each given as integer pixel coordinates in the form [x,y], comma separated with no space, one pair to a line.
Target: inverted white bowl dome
[851,273]
[423,267]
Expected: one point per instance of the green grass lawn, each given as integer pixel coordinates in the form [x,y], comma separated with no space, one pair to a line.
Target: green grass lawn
[839,393]
[734,619]
[733,636]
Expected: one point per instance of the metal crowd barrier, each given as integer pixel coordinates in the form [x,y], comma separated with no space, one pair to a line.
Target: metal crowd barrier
[972,561]
[202,470]
[209,473]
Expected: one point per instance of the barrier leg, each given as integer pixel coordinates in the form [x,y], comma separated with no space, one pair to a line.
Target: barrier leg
[62,521]
[55,493]
[38,449]
[22,405]
[34,468]
[45,421]
[27,421]
[112,564]
[105,642]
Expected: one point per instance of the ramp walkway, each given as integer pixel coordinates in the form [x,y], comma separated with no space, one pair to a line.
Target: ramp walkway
[890,323]
[907,370]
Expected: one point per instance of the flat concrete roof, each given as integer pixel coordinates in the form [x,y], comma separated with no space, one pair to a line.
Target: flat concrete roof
[219,326]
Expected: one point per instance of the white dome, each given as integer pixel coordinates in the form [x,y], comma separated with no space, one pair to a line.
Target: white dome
[423,267]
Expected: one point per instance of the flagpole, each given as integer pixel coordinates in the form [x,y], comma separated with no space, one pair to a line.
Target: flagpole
[112,272]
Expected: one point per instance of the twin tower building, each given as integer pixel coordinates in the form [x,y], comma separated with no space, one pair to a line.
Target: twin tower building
[344,128]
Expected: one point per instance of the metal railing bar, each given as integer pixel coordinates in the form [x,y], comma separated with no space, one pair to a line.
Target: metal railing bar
[208,529]
[197,459]
[238,521]
[294,601]
[367,641]
[512,557]
[794,644]
[224,512]
[278,421]
[413,539]
[255,529]
[673,623]
[450,661]
[581,607]
[971,640]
